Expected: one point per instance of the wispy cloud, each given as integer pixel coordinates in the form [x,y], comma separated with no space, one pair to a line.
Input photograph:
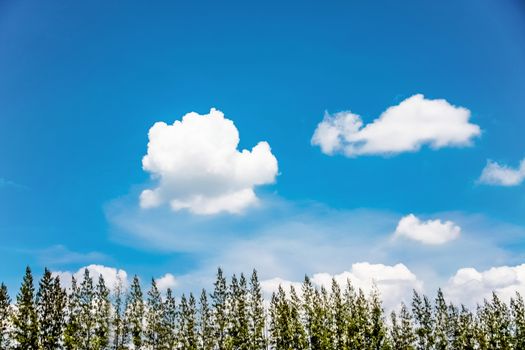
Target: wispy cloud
[58,255]
[287,240]
[4,183]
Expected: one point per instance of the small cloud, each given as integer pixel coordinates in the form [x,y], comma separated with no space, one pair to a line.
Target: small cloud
[433,232]
[406,127]
[166,281]
[199,168]
[502,175]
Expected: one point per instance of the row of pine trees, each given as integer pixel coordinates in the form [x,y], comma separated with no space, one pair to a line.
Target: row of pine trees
[235,316]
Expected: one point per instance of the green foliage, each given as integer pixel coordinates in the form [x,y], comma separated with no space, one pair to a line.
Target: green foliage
[102,316]
[5,315]
[25,319]
[91,316]
[219,304]
[155,334]
[135,314]
[169,318]
[205,323]
[51,302]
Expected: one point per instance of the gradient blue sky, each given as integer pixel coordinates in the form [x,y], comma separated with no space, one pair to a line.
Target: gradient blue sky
[82,82]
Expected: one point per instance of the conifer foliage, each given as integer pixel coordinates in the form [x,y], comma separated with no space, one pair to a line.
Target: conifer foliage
[235,316]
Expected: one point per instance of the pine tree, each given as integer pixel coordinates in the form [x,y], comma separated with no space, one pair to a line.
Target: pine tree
[351,327]
[257,318]
[324,318]
[358,323]
[299,338]
[205,323]
[102,316]
[280,329]
[238,315]
[87,319]
[135,313]
[402,332]
[422,311]
[72,331]
[495,323]
[442,323]
[154,318]
[464,328]
[308,313]
[188,333]
[518,313]
[376,326]
[219,303]
[25,319]
[119,317]
[339,312]
[170,321]
[5,315]
[51,303]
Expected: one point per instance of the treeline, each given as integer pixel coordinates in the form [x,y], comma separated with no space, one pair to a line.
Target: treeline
[235,316]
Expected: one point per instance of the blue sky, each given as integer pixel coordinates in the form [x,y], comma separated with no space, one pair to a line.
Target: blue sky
[82,83]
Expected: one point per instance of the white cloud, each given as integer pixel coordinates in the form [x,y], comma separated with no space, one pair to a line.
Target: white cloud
[111,275]
[433,232]
[502,175]
[199,168]
[415,122]
[166,281]
[470,286]
[395,283]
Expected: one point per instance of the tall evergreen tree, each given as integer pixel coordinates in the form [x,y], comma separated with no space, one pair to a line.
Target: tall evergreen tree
[205,323]
[135,314]
[25,319]
[495,322]
[220,317]
[238,315]
[309,317]
[5,315]
[376,337]
[87,317]
[280,338]
[170,321]
[188,333]
[257,317]
[154,319]
[402,332]
[102,316]
[422,311]
[359,322]
[72,331]
[442,323]
[119,323]
[339,312]
[299,338]
[518,313]
[51,303]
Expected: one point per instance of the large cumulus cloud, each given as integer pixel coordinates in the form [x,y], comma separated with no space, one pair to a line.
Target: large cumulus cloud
[198,167]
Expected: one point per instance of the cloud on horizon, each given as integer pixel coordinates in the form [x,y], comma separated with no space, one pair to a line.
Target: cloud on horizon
[406,127]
